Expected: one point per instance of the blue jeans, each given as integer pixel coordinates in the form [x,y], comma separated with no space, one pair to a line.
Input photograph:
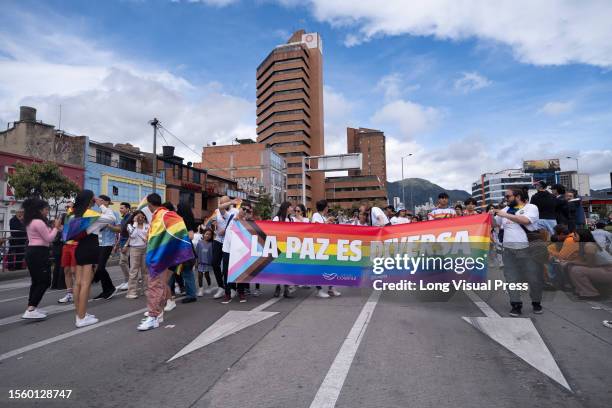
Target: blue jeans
[188,278]
[548,224]
[519,266]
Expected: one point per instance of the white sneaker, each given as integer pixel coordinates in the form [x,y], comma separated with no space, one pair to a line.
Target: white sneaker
[35,314]
[148,324]
[66,299]
[200,292]
[123,286]
[333,292]
[170,305]
[210,290]
[256,293]
[233,293]
[292,288]
[321,293]
[88,320]
[146,314]
[220,293]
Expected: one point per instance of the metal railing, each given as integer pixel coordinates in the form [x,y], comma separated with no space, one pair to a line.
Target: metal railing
[12,251]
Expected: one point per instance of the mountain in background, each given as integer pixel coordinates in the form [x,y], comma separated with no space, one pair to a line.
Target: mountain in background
[422,190]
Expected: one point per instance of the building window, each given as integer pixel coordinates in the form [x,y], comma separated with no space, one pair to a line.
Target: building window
[127,163]
[196,177]
[187,197]
[103,157]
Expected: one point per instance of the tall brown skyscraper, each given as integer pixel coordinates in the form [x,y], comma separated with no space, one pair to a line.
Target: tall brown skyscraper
[290,109]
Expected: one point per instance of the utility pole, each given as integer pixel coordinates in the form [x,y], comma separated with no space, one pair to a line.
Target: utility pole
[154,123]
[403,184]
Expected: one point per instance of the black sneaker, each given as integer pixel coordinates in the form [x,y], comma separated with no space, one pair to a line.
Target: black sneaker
[537,307]
[101,296]
[109,295]
[188,300]
[516,311]
[277,291]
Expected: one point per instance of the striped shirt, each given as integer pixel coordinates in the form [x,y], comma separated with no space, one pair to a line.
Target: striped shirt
[441,213]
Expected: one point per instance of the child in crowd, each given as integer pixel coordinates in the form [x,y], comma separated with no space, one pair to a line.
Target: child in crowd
[205,255]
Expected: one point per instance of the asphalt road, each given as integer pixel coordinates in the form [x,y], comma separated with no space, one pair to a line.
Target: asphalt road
[390,349]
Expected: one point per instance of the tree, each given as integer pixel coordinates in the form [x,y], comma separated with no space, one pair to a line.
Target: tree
[263,207]
[43,180]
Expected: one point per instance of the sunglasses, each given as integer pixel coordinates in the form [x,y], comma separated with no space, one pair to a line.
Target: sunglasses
[298,211]
[247,210]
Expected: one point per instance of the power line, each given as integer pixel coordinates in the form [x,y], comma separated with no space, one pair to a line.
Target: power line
[186,145]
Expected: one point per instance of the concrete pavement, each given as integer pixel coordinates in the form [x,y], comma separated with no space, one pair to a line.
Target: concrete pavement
[412,353]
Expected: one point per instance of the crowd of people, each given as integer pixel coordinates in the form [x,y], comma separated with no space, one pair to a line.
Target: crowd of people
[543,240]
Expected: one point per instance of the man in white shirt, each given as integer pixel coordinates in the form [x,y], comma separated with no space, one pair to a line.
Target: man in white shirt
[379,217]
[221,217]
[400,217]
[517,219]
[321,217]
[232,214]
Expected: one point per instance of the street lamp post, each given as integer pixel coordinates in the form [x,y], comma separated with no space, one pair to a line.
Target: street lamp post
[403,184]
[577,171]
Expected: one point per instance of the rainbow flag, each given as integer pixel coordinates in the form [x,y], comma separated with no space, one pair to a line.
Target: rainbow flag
[168,242]
[75,228]
[345,255]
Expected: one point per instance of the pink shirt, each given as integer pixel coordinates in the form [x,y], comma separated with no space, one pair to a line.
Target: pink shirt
[39,234]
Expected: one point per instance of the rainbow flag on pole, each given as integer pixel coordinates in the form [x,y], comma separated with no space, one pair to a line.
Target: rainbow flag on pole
[76,227]
[168,242]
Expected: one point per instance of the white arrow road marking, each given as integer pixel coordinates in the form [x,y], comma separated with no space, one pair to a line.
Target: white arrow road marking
[329,391]
[518,335]
[230,323]
[42,343]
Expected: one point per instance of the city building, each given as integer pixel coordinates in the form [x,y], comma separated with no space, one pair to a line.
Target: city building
[491,187]
[571,179]
[190,184]
[256,167]
[117,171]
[29,140]
[367,184]
[290,109]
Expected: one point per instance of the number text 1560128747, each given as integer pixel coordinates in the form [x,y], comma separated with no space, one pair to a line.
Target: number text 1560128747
[39,394]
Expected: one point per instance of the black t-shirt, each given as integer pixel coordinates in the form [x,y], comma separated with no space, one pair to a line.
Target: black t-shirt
[546,203]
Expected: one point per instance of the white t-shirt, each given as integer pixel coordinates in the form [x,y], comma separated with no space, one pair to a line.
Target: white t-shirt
[222,221]
[515,236]
[304,219]
[318,218]
[276,219]
[399,220]
[227,241]
[379,218]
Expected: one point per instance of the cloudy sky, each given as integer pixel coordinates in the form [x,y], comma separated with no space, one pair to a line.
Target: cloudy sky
[465,86]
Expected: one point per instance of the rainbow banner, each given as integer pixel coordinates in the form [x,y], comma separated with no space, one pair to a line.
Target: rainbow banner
[75,228]
[295,253]
[168,242]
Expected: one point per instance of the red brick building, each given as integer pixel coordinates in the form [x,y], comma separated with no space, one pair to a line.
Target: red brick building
[290,109]
[367,184]
[256,167]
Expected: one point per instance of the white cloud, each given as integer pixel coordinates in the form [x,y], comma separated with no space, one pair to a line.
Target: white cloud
[408,117]
[548,32]
[556,108]
[471,81]
[110,97]
[214,3]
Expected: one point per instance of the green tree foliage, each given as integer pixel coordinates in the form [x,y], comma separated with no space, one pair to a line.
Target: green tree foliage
[42,180]
[263,207]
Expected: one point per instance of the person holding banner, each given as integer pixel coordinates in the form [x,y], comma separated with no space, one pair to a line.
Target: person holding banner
[517,220]
[84,226]
[300,213]
[400,217]
[442,210]
[221,217]
[283,215]
[321,217]
[240,215]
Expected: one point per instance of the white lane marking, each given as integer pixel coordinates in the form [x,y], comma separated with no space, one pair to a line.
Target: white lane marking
[14,285]
[518,335]
[265,305]
[230,323]
[482,305]
[51,310]
[66,335]
[329,391]
[597,305]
